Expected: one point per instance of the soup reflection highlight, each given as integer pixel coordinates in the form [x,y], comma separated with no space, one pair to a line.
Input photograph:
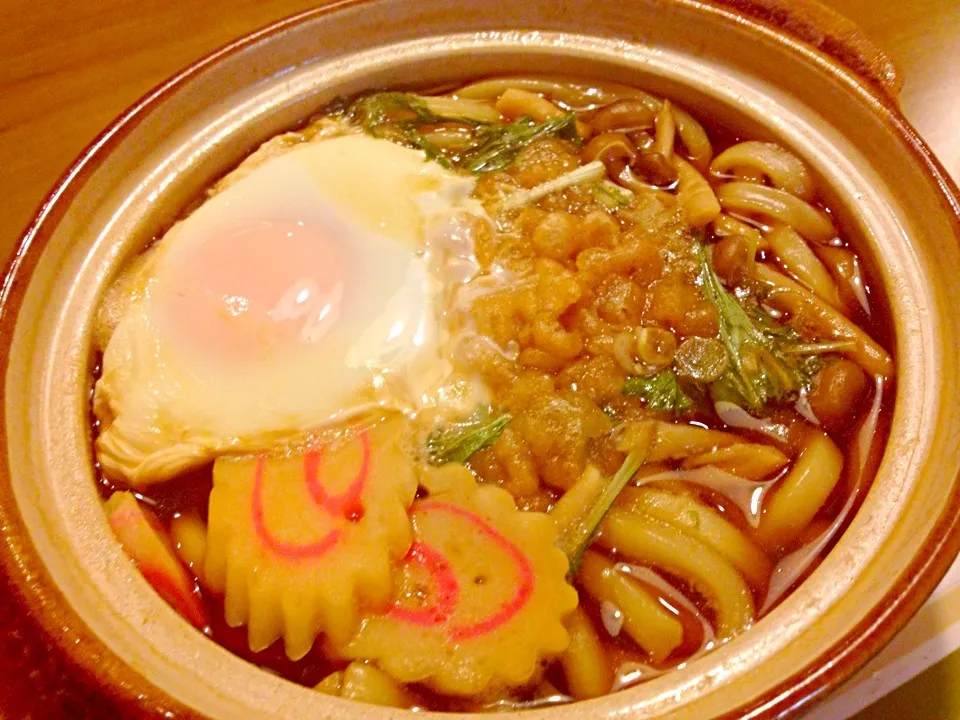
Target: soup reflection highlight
[510,396]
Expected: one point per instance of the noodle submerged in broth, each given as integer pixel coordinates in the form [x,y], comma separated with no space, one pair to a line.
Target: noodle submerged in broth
[647,390]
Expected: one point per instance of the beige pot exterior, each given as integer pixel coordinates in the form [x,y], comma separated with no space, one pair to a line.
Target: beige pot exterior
[754,77]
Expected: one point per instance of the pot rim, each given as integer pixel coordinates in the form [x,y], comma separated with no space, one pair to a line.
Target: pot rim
[56,618]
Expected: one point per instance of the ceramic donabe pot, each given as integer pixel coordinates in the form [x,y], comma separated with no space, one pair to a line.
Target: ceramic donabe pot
[725,61]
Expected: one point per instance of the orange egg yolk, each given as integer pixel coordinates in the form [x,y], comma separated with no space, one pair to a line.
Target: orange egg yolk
[255,289]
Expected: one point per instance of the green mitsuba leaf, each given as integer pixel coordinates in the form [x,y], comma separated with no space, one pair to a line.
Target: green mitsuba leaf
[660,391]
[456,442]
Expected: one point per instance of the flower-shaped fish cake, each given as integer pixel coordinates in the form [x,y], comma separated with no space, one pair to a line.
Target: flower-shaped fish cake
[482,593]
[304,544]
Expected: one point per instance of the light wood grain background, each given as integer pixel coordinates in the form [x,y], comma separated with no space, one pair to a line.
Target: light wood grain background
[68,67]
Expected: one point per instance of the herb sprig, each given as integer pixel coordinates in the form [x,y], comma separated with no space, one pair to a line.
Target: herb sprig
[763,369]
[401,117]
[456,442]
[578,540]
[397,117]
[498,145]
[660,391]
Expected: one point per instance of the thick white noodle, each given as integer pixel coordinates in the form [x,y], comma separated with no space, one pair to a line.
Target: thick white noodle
[792,566]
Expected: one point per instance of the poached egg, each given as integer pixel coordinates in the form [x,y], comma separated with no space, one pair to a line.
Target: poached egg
[306,293]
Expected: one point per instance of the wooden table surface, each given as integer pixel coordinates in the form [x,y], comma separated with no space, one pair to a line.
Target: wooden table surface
[68,68]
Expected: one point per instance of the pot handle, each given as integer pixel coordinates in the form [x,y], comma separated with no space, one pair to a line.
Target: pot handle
[828,31]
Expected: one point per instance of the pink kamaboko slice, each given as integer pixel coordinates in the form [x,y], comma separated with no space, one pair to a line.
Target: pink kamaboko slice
[481,596]
[303,544]
[146,542]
